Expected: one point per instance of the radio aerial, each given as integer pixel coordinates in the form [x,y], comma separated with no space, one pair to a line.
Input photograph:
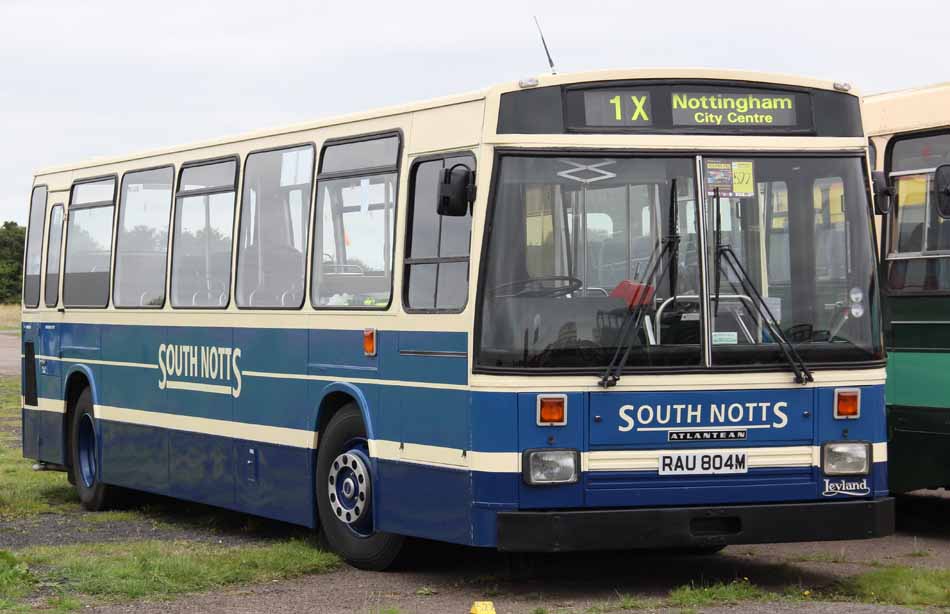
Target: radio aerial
[545,45]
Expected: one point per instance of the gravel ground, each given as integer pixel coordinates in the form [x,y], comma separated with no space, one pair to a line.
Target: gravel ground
[10,352]
[164,519]
[440,579]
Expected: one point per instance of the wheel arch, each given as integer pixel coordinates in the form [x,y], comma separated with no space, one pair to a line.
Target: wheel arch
[76,379]
[332,398]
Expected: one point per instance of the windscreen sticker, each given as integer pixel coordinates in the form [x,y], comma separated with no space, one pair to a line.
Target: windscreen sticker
[734,178]
[725,338]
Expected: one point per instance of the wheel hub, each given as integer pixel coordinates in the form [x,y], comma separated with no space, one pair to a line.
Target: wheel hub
[349,486]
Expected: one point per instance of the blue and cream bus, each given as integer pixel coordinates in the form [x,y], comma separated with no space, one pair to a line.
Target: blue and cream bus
[628,309]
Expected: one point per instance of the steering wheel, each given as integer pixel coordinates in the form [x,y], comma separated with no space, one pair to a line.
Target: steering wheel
[573,285]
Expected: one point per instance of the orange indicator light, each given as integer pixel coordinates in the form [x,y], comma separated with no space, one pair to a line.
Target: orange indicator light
[369,341]
[847,404]
[552,411]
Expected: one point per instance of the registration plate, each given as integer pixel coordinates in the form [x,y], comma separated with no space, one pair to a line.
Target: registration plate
[698,463]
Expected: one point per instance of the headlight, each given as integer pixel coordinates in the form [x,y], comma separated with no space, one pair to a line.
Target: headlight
[846,458]
[550,466]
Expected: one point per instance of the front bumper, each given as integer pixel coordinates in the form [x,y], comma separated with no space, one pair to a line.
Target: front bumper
[693,527]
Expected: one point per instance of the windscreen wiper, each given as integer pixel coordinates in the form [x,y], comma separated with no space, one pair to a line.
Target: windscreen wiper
[633,322]
[725,253]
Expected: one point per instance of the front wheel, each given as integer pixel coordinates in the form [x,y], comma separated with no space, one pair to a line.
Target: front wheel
[344,484]
[84,448]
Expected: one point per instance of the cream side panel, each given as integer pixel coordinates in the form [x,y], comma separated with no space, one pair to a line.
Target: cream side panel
[908,110]
[446,128]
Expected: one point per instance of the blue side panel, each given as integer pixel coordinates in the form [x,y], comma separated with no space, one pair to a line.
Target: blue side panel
[134,456]
[132,387]
[340,353]
[423,501]
[274,402]
[202,468]
[275,481]
[51,437]
[48,372]
[82,341]
[43,436]
[494,421]
[29,434]
[435,417]
[426,357]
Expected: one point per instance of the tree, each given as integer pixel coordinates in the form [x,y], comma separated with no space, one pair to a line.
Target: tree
[11,261]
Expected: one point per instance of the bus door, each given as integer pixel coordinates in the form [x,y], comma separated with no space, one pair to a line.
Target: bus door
[436,276]
[48,367]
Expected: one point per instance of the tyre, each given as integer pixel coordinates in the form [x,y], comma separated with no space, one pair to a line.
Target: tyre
[84,450]
[344,484]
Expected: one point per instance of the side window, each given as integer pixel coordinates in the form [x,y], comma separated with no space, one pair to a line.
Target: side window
[34,246]
[89,244]
[355,221]
[141,244]
[201,246]
[917,232]
[275,217]
[54,244]
[437,246]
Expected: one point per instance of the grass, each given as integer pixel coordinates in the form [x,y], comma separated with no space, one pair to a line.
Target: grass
[625,603]
[897,585]
[150,569]
[692,596]
[24,492]
[15,578]
[9,317]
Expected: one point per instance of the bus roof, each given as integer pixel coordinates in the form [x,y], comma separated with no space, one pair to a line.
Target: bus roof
[907,110]
[489,92]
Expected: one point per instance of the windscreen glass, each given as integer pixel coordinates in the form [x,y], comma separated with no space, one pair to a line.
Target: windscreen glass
[795,232]
[576,246]
[587,256]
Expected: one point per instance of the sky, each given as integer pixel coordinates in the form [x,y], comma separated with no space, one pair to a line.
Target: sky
[103,77]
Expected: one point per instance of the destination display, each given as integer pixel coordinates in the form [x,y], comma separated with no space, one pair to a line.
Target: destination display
[695,107]
[618,108]
[728,108]
[733,109]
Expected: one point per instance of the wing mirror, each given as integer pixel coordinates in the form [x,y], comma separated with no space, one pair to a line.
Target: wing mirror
[456,191]
[942,189]
[882,193]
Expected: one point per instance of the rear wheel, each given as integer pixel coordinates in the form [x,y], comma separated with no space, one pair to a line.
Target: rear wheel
[84,448]
[344,484]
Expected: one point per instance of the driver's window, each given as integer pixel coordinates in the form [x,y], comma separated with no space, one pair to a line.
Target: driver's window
[355,212]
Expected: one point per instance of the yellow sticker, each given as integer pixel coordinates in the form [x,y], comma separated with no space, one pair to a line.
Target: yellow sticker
[743,181]
[482,607]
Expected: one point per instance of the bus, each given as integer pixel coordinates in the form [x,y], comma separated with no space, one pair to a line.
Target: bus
[909,134]
[609,310]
